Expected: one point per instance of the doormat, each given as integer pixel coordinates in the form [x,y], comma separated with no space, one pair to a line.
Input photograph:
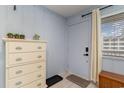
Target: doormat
[77,80]
[53,80]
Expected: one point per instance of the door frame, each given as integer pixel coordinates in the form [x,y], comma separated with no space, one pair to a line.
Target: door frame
[89,45]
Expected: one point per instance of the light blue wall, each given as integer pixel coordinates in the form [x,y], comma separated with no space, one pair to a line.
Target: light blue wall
[115,65]
[115,9]
[52,28]
[109,63]
[36,19]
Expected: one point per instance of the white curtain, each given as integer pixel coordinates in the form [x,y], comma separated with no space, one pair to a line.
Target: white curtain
[96,52]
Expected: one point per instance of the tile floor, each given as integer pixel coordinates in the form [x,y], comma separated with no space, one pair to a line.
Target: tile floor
[68,84]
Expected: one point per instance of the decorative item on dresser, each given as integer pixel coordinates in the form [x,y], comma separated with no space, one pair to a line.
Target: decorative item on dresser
[111,80]
[15,36]
[36,37]
[25,63]
[10,35]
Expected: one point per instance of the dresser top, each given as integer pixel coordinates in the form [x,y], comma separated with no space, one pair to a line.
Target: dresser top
[22,40]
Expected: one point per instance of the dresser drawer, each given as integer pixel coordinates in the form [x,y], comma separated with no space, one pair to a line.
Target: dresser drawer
[18,58]
[21,70]
[36,84]
[25,47]
[23,80]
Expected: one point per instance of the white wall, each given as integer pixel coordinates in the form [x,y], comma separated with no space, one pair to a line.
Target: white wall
[36,19]
[109,63]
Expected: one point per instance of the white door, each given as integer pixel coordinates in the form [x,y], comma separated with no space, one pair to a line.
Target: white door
[79,39]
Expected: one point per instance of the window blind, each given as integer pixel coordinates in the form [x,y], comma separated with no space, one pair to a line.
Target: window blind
[113,35]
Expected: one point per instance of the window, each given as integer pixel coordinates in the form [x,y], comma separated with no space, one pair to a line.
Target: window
[113,35]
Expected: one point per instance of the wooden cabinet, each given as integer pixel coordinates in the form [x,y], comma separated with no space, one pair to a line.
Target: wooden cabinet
[110,80]
[25,63]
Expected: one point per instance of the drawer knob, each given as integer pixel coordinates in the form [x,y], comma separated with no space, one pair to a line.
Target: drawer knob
[39,76]
[39,84]
[19,71]
[18,83]
[19,59]
[18,48]
[39,66]
[39,56]
[39,47]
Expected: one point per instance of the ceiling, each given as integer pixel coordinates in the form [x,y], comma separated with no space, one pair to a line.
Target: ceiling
[69,10]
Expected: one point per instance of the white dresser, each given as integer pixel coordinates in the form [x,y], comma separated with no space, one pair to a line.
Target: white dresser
[25,63]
